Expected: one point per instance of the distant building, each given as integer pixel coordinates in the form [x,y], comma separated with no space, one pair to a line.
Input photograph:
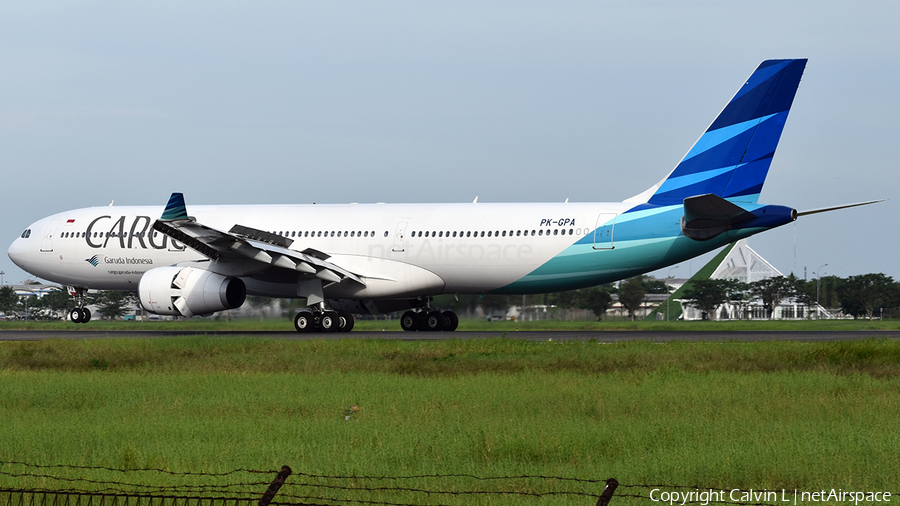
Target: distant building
[37,290]
[742,263]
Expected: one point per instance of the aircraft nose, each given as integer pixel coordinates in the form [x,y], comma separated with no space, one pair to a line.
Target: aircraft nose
[17,252]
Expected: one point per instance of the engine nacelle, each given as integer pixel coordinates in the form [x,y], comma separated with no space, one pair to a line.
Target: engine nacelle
[187,291]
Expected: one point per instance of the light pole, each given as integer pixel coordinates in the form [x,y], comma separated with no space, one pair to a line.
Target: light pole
[818,274]
[1,277]
[669,296]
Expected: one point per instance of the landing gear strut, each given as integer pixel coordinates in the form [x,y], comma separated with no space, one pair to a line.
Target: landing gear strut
[79,314]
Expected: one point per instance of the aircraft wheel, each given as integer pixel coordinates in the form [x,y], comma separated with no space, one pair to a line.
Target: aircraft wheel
[434,321]
[85,315]
[303,321]
[329,321]
[345,321]
[75,315]
[408,321]
[451,321]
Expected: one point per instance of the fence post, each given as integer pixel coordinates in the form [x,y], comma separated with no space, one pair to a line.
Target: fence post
[608,492]
[276,484]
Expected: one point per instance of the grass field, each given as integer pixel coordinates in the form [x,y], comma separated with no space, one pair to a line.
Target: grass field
[770,415]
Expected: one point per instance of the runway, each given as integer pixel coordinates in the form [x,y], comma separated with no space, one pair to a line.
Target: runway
[601,336]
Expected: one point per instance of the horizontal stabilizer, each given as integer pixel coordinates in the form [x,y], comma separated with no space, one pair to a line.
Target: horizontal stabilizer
[706,216]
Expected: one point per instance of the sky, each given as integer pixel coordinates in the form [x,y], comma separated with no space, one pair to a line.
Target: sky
[334,102]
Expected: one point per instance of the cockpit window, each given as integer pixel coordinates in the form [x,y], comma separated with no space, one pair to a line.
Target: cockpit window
[26,234]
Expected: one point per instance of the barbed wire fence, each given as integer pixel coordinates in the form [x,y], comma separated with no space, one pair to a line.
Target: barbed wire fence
[26,484]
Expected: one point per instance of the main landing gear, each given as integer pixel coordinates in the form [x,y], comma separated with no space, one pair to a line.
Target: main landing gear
[320,320]
[79,314]
[429,320]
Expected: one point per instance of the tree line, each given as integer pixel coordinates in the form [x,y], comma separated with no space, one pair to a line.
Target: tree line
[864,295]
[597,299]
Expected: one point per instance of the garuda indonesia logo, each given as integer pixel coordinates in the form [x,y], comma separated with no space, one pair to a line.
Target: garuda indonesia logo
[94,260]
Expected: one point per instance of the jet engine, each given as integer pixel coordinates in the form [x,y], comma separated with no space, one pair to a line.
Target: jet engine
[188,291]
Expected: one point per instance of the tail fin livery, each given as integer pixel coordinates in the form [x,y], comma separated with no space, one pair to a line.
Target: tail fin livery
[731,159]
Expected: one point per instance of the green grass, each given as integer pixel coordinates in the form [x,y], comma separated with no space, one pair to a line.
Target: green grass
[733,415]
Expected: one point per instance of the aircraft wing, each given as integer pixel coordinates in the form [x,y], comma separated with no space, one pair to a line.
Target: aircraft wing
[244,243]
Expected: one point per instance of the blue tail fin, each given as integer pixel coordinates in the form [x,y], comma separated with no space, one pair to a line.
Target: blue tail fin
[731,159]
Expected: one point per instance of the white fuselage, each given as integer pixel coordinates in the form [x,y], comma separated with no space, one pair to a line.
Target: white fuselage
[399,249]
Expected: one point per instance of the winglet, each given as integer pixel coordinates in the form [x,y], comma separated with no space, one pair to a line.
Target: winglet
[175,209]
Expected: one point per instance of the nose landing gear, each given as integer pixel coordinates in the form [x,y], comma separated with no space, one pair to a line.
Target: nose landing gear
[79,314]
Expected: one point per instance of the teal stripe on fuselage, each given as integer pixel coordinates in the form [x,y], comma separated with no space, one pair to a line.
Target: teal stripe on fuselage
[644,240]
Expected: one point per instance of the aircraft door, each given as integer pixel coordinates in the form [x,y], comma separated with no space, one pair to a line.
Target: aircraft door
[603,233]
[47,241]
[399,237]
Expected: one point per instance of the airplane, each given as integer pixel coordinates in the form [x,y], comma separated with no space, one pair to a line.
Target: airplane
[380,258]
